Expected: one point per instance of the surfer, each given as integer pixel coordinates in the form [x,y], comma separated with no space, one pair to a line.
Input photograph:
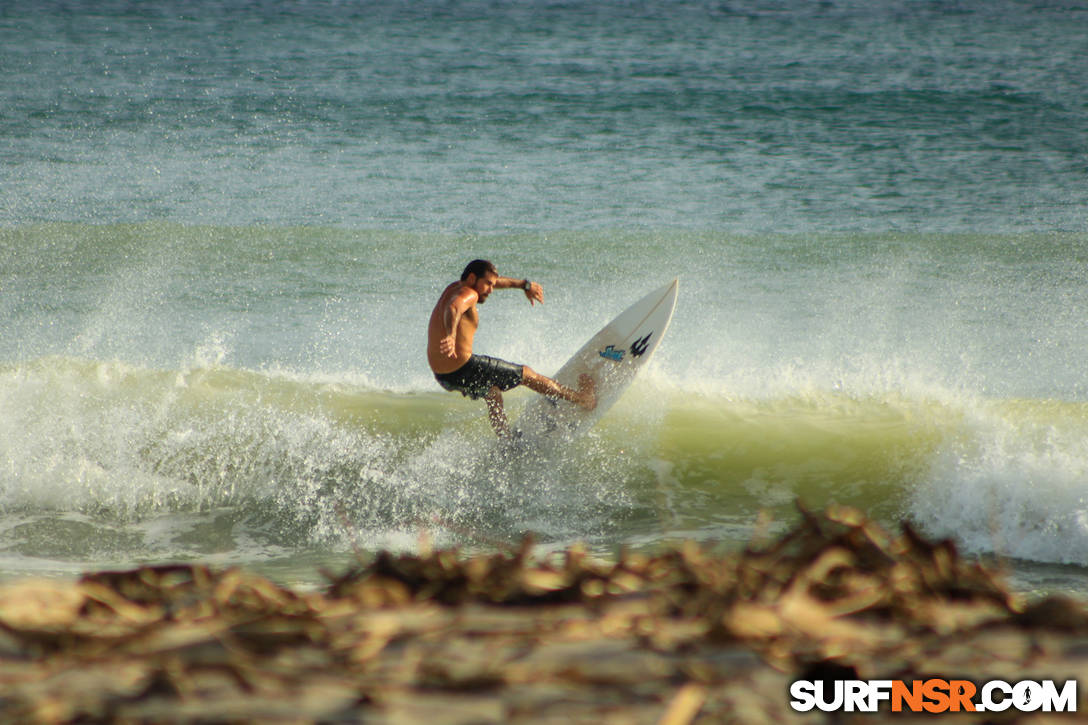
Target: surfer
[449,347]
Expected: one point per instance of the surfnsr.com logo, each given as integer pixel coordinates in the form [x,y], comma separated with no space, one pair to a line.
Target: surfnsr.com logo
[933,696]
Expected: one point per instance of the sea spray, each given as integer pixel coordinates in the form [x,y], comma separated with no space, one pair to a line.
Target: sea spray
[1012,482]
[290,464]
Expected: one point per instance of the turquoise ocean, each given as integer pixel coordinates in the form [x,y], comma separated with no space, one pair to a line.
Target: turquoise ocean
[223,225]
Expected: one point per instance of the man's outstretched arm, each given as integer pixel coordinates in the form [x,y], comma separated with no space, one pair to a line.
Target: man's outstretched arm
[533,291]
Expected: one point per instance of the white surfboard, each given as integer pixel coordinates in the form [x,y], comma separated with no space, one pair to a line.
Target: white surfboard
[612,358]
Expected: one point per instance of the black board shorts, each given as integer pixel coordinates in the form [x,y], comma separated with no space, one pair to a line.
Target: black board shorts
[481,373]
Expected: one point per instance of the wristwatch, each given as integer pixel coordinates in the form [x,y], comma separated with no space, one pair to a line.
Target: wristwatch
[526,285]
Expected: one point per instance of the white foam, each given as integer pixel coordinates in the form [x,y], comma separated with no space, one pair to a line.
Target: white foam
[1011,485]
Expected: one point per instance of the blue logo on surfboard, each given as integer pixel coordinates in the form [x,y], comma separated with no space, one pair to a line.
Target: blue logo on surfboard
[611,353]
[638,349]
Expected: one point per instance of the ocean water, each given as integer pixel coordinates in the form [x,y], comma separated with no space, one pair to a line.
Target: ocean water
[223,225]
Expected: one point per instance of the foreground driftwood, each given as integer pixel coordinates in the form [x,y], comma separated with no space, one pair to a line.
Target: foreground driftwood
[677,637]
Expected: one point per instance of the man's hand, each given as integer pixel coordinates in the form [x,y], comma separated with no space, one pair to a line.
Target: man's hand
[535,293]
[448,346]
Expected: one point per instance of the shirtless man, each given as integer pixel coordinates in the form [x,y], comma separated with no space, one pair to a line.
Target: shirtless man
[449,347]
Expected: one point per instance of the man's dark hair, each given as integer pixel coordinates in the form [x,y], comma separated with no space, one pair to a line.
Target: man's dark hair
[478,267]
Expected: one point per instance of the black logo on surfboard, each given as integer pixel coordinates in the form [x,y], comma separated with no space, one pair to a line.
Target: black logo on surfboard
[638,347]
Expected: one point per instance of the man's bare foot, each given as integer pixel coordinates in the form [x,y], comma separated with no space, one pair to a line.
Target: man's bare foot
[587,391]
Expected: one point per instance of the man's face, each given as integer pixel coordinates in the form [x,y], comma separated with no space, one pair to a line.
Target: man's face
[484,284]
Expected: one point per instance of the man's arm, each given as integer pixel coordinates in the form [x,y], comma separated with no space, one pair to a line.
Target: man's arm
[533,291]
[451,318]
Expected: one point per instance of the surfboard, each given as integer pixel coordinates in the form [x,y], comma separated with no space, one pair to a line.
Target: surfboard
[612,357]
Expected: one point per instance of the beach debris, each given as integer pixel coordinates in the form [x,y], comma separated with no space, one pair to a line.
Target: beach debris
[684,635]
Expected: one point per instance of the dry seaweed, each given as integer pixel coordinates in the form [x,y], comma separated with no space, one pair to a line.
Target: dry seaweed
[679,636]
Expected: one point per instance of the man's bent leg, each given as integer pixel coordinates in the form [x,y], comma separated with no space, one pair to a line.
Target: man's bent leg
[585,396]
[496,414]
